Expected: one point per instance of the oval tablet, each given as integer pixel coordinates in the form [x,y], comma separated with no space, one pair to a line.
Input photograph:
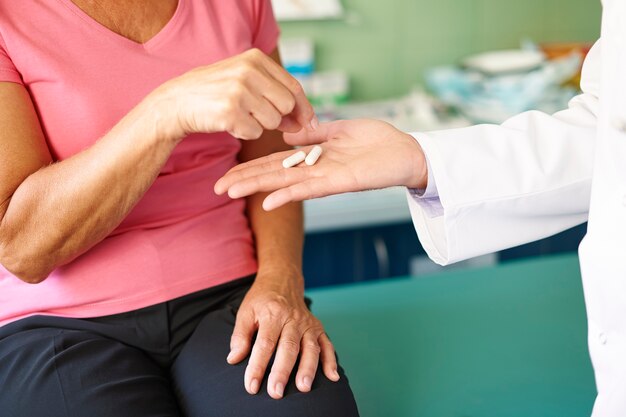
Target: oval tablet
[314,155]
[294,159]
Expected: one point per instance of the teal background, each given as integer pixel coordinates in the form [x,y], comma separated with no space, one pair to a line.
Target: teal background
[505,341]
[386,45]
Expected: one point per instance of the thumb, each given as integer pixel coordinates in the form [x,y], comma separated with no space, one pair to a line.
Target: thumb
[323,133]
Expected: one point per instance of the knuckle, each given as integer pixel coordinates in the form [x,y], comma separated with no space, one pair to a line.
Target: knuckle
[257,132]
[275,308]
[274,122]
[237,91]
[295,86]
[254,369]
[290,346]
[242,134]
[238,336]
[265,344]
[229,108]
[312,347]
[245,69]
[250,133]
[253,51]
[286,105]
[290,104]
[280,374]
[229,122]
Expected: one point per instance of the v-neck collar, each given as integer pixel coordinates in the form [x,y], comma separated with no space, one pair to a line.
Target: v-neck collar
[148,45]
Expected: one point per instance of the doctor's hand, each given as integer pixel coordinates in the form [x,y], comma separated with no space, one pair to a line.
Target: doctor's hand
[275,310]
[358,155]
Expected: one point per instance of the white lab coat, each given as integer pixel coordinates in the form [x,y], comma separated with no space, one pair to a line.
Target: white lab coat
[537,175]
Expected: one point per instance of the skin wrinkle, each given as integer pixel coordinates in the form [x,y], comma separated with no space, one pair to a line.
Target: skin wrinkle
[139,23]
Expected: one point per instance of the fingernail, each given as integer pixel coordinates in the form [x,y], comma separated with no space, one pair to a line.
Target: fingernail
[307,382]
[230,355]
[254,386]
[315,123]
[336,375]
[279,389]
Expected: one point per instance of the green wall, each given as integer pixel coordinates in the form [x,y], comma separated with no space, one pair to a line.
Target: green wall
[386,45]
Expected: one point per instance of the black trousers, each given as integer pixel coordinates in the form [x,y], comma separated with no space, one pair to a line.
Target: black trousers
[166,360]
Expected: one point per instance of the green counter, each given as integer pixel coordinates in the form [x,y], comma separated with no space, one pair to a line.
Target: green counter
[507,341]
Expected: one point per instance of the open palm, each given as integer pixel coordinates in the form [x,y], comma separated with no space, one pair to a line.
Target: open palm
[358,155]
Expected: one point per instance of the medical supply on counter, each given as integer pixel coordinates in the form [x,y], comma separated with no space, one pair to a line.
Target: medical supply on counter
[557,50]
[329,88]
[505,62]
[417,111]
[294,159]
[484,96]
[298,58]
[314,155]
[287,10]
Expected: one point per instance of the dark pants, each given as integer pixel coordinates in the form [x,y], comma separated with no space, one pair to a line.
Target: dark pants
[165,360]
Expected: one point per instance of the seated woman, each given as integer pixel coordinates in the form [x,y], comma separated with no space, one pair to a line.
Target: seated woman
[128,288]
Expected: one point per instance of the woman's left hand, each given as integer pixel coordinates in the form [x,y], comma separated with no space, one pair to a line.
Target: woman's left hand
[275,310]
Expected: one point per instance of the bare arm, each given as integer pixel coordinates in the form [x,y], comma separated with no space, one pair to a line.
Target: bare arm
[59,210]
[53,212]
[274,307]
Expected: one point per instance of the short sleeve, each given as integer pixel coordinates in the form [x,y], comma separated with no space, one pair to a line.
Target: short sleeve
[8,72]
[266,30]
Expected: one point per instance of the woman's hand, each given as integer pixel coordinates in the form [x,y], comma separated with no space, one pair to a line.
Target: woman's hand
[243,95]
[358,155]
[274,309]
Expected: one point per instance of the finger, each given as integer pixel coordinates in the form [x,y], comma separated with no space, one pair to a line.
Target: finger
[303,110]
[249,169]
[286,357]
[240,340]
[323,133]
[270,181]
[277,94]
[264,345]
[329,359]
[264,112]
[246,127]
[309,360]
[289,125]
[306,190]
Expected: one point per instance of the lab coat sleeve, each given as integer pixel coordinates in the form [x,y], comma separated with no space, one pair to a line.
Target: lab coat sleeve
[500,186]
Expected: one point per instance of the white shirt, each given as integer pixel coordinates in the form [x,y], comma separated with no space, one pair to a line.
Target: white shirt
[537,175]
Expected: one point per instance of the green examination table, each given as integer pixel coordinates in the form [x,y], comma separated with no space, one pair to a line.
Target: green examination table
[505,341]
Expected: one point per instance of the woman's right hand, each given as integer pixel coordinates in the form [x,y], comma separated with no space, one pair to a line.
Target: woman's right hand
[243,95]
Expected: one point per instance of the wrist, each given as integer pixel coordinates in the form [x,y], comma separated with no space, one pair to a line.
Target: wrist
[159,108]
[281,275]
[417,174]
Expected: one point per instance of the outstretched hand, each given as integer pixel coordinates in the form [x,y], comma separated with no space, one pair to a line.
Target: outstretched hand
[358,155]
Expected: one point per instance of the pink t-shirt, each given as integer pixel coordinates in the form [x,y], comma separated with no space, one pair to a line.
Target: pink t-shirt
[83,78]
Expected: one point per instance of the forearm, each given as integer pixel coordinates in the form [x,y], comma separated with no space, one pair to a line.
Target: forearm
[278,236]
[279,233]
[63,209]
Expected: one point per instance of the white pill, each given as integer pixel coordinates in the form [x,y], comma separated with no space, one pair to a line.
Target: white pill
[314,155]
[294,159]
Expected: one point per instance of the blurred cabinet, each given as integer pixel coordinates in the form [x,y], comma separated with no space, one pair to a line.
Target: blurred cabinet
[379,252]
[363,254]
